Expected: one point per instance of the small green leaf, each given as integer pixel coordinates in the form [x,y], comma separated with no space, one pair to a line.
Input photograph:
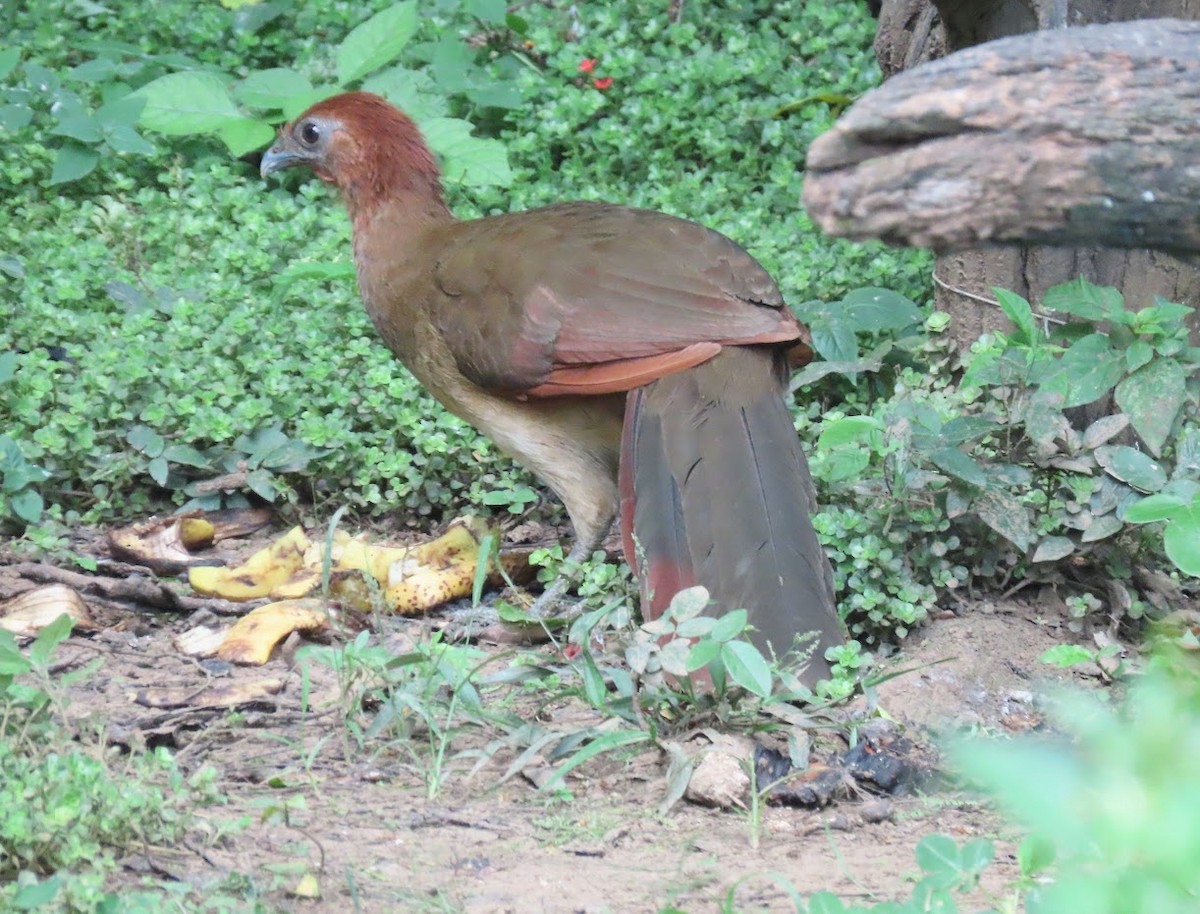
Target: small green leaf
[1035,853]
[262,484]
[27,505]
[375,42]
[145,439]
[696,627]
[158,469]
[1101,528]
[78,126]
[689,602]
[270,89]
[1088,370]
[1053,548]
[1005,515]
[825,903]
[1154,508]
[249,18]
[8,365]
[847,430]
[960,466]
[871,310]
[451,64]
[977,854]
[245,134]
[594,688]
[1152,397]
[1132,466]
[12,661]
[1104,429]
[730,625]
[1137,354]
[500,95]
[938,855]
[702,654]
[73,162]
[190,102]
[125,139]
[747,667]
[15,117]
[9,58]
[490,12]
[605,743]
[1017,310]
[834,339]
[37,894]
[1066,655]
[1182,539]
[97,70]
[1081,298]
[43,646]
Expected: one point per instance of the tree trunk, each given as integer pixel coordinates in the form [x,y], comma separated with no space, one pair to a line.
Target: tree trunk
[914,31]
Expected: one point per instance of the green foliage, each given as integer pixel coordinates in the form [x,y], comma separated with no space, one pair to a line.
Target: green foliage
[206,308]
[937,482]
[253,462]
[68,813]
[946,871]
[1113,805]
[417,702]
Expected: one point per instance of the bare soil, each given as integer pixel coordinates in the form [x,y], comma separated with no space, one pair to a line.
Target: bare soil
[377,838]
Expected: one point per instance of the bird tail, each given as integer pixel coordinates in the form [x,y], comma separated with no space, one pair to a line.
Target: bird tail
[715,490]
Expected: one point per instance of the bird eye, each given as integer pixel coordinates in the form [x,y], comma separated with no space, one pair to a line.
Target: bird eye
[310,133]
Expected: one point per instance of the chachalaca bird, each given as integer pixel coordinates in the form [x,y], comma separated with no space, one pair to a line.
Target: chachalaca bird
[634,361]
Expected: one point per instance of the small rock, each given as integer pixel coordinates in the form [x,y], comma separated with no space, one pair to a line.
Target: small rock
[720,778]
[876,811]
[839,822]
[1021,696]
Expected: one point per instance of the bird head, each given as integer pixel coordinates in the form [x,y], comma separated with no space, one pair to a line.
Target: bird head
[360,143]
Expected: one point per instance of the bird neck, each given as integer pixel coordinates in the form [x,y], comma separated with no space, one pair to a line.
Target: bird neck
[415,204]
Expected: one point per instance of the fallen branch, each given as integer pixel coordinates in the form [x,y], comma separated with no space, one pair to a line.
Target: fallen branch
[136,589]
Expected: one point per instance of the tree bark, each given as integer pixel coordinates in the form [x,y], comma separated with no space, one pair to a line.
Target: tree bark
[1076,136]
[913,31]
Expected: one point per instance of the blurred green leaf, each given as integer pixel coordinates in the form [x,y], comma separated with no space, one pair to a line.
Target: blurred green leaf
[180,104]
[375,42]
[72,162]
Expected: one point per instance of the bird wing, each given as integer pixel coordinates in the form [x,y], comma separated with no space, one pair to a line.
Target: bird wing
[595,298]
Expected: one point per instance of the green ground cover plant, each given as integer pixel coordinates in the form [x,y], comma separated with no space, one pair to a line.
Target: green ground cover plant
[175,332]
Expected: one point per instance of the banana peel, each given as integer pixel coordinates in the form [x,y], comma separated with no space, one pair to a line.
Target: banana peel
[411,579]
[254,636]
[259,575]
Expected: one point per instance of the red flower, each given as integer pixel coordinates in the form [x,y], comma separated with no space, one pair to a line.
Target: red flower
[602,84]
[571,651]
[587,65]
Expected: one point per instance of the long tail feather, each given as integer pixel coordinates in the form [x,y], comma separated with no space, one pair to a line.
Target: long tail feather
[716,491]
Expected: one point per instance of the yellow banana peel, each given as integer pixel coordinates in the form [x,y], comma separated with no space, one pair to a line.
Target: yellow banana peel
[254,636]
[413,579]
[258,575]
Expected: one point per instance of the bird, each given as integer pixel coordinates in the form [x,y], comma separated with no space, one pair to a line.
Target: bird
[633,361]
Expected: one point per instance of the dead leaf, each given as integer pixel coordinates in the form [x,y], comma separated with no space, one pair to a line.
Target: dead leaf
[201,641]
[29,613]
[217,695]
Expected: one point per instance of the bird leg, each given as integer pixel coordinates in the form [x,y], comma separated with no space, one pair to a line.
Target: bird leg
[586,543]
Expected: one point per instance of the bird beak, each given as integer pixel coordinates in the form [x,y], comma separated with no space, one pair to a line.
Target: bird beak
[277,158]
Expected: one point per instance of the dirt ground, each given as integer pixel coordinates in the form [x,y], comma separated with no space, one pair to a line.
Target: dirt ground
[363,823]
